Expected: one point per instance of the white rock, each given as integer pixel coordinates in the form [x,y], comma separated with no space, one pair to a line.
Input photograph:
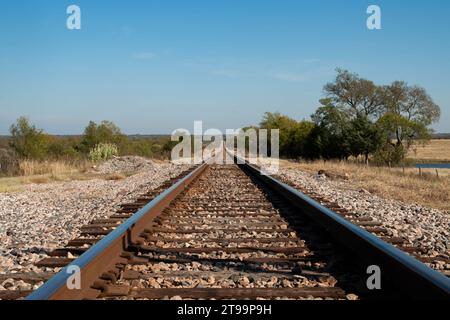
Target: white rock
[46,216]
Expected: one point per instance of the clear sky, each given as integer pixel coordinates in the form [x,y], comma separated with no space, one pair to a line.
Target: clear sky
[155,66]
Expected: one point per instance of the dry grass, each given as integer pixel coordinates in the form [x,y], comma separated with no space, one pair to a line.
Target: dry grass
[54,168]
[10,185]
[408,187]
[437,150]
[34,172]
[115,176]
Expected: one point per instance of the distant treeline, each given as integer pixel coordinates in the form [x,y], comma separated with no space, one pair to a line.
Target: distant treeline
[359,119]
[440,136]
[29,142]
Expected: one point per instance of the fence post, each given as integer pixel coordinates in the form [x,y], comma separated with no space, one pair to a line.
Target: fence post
[437,173]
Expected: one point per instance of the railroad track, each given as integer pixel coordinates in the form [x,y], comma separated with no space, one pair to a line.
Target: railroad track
[227,232]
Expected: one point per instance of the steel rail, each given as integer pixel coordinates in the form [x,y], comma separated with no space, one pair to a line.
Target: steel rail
[411,276]
[104,255]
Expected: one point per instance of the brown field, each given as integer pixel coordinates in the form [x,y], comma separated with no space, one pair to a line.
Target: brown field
[437,150]
[39,172]
[34,172]
[409,187]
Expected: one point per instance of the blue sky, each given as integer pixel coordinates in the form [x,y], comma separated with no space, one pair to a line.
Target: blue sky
[155,66]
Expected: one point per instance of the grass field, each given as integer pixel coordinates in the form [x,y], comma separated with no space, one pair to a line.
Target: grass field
[409,187]
[33,172]
[431,189]
[435,150]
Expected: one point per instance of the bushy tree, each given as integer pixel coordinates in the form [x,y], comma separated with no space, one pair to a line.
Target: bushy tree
[297,146]
[398,112]
[407,114]
[286,126]
[313,145]
[365,137]
[105,132]
[333,126]
[28,141]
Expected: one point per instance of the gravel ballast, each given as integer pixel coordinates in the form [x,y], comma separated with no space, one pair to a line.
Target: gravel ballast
[126,164]
[44,217]
[423,227]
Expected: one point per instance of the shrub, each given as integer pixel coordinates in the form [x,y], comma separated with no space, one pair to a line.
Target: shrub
[103,151]
[9,163]
[156,148]
[28,141]
[105,132]
[63,148]
[390,154]
[138,147]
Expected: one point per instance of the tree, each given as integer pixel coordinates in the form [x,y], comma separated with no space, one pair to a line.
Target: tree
[358,118]
[349,90]
[407,114]
[297,145]
[105,132]
[313,144]
[28,141]
[286,126]
[365,137]
[333,131]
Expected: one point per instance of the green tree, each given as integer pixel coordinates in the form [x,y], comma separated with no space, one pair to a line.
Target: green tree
[105,132]
[297,146]
[332,133]
[28,141]
[365,137]
[286,126]
[407,114]
[313,145]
